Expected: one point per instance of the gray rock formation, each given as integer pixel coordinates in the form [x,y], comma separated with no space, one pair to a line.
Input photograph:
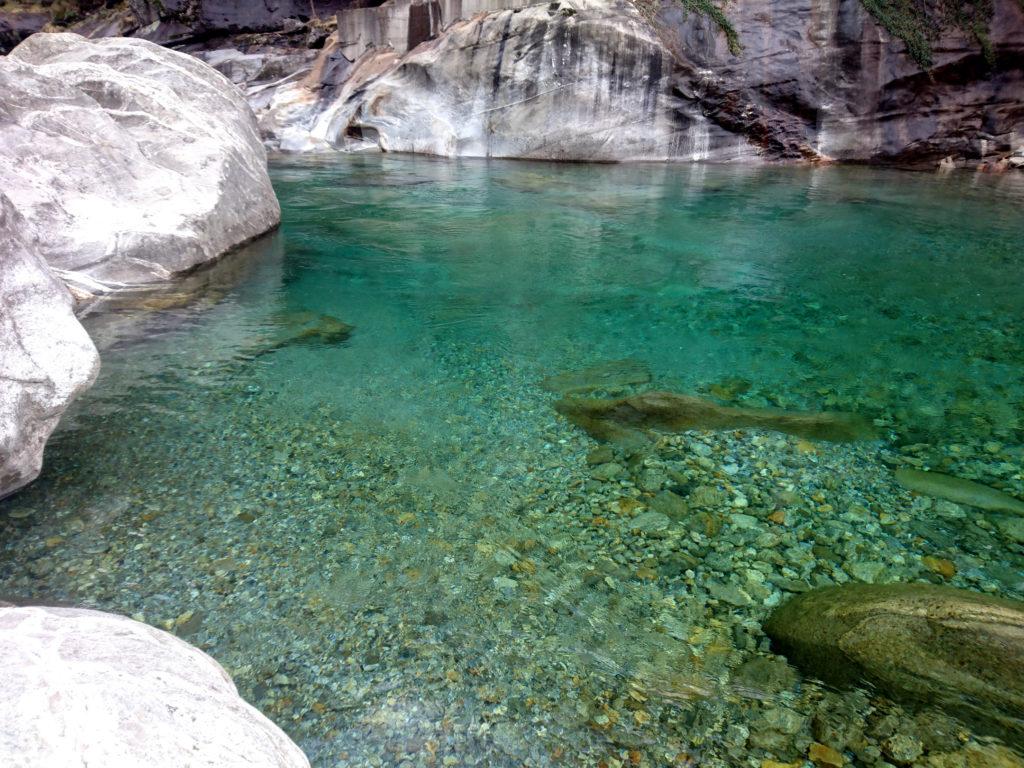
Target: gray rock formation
[820,78]
[605,79]
[89,688]
[916,642]
[121,163]
[601,80]
[47,357]
[134,162]
[580,80]
[18,23]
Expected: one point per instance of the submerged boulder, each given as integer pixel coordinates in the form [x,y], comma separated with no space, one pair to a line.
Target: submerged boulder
[610,376]
[89,688]
[916,642]
[302,329]
[46,357]
[618,419]
[958,490]
[134,162]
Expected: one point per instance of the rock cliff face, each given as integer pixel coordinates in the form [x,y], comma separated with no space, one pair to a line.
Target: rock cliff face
[89,688]
[820,78]
[132,161]
[615,80]
[586,80]
[47,357]
[604,79]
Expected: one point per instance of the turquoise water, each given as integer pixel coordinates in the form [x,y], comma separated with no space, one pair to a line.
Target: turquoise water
[405,556]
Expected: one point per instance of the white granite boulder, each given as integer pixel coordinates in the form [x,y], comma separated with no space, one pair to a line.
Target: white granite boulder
[132,161]
[89,688]
[46,357]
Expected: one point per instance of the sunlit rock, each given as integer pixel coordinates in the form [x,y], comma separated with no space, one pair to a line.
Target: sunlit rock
[582,80]
[134,162]
[615,80]
[46,357]
[89,688]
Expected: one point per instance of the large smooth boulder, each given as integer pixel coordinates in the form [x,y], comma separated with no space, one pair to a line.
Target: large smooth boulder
[916,642]
[580,80]
[83,687]
[134,162]
[47,357]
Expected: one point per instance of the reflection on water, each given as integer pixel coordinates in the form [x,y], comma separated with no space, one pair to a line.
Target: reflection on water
[405,556]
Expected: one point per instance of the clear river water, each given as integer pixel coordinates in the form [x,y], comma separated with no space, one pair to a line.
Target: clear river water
[332,460]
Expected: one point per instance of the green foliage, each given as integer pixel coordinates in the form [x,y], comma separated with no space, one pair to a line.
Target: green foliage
[919,23]
[717,15]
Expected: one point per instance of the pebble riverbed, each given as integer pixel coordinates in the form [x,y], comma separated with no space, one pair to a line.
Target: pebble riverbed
[405,557]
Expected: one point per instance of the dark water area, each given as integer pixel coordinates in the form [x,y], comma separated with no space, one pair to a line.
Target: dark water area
[333,461]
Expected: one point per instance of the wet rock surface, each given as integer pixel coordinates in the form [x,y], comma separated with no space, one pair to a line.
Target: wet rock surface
[959,491]
[925,643]
[620,419]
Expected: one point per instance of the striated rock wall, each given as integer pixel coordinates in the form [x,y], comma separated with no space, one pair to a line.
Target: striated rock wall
[581,80]
[587,80]
[819,78]
[620,80]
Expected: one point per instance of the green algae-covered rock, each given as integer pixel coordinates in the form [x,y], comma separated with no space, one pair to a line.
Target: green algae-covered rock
[959,490]
[617,419]
[960,650]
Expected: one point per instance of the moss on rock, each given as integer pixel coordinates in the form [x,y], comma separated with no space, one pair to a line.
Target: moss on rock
[919,23]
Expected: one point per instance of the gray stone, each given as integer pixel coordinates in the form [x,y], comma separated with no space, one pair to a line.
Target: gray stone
[652,481]
[729,593]
[89,688]
[648,522]
[867,571]
[902,748]
[607,472]
[762,676]
[671,505]
[134,162]
[1012,528]
[47,357]
[744,522]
